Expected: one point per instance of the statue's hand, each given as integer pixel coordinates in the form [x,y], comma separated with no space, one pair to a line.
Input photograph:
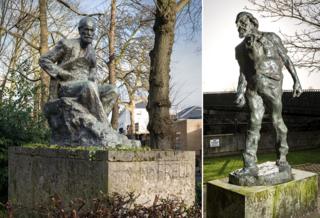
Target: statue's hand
[297,90]
[65,75]
[240,100]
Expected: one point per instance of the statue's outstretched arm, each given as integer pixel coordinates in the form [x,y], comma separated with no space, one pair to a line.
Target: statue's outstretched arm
[297,90]
[242,85]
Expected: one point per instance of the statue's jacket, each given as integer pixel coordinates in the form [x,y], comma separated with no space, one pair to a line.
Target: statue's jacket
[69,56]
[261,56]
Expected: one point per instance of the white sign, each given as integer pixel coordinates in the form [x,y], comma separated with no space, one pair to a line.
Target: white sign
[214,143]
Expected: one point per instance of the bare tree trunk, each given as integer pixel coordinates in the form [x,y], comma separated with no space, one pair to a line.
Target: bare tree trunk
[111,63]
[37,74]
[12,64]
[160,123]
[45,79]
[132,118]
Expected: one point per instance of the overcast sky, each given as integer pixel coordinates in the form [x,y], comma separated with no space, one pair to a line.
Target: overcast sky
[220,36]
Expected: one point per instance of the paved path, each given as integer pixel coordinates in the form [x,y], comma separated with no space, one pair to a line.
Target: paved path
[309,167]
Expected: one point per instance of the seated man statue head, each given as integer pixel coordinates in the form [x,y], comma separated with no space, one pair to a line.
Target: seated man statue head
[86,27]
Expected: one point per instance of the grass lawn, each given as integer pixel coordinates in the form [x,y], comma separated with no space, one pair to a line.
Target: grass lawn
[218,167]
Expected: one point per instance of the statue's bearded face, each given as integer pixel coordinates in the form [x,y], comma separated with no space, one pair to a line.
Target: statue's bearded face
[87,32]
[245,26]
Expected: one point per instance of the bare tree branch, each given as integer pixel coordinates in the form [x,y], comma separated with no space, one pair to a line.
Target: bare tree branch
[73,9]
[143,6]
[304,44]
[24,76]
[181,4]
[20,36]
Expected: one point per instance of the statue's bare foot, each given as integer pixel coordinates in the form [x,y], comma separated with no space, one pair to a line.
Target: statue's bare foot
[282,163]
[249,171]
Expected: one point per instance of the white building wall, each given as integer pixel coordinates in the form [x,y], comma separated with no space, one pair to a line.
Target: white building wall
[141,117]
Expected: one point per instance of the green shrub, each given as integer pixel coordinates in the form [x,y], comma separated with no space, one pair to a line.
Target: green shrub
[199,193]
[115,205]
[17,127]
[17,123]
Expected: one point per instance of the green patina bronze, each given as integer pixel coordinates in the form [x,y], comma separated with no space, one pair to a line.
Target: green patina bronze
[261,57]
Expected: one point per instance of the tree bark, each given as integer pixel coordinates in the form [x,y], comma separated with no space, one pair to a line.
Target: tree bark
[160,123]
[38,84]
[132,118]
[111,63]
[45,78]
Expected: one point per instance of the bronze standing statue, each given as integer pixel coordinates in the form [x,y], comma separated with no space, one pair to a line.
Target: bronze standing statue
[261,56]
[78,115]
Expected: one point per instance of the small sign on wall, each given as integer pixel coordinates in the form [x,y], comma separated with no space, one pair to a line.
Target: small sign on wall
[214,143]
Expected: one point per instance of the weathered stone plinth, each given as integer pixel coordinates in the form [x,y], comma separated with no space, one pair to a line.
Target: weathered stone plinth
[269,174]
[72,124]
[36,174]
[292,199]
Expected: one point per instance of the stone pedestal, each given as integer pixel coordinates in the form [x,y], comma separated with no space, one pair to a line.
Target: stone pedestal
[292,199]
[36,174]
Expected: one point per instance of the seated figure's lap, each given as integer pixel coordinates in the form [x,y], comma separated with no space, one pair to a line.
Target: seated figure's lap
[75,88]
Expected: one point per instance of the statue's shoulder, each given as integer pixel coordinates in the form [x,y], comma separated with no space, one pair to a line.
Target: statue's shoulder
[271,36]
[68,43]
[240,48]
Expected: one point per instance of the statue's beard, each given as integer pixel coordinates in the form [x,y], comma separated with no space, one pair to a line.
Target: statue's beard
[86,40]
[242,32]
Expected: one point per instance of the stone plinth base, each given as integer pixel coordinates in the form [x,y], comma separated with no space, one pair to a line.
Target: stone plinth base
[35,174]
[292,199]
[268,174]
